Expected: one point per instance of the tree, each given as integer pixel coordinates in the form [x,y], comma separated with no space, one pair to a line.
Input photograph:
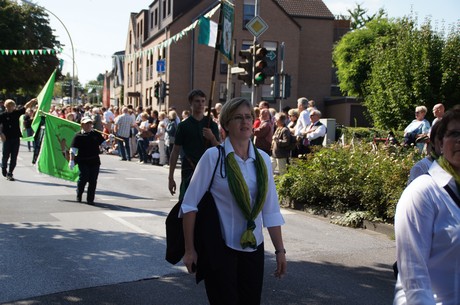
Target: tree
[359,19]
[394,66]
[25,27]
[353,58]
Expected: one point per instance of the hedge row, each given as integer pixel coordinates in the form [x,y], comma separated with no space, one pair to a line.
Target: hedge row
[349,178]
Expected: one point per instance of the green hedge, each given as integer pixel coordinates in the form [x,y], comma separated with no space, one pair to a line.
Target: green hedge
[350,178]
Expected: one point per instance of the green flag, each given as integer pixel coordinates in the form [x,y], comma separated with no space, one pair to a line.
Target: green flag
[44,101]
[54,154]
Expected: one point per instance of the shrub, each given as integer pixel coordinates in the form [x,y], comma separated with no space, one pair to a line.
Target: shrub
[351,178]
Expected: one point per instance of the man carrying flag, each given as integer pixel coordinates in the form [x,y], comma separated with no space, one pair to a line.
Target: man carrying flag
[84,151]
[11,134]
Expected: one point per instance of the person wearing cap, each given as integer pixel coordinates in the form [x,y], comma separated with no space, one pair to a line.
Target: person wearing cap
[10,134]
[84,151]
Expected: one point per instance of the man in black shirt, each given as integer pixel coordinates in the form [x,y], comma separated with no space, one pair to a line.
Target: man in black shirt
[84,151]
[11,134]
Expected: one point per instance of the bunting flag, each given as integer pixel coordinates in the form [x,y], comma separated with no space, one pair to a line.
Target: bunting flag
[44,101]
[8,52]
[174,38]
[54,153]
[208,32]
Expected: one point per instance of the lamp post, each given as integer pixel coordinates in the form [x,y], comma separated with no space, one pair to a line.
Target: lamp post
[71,43]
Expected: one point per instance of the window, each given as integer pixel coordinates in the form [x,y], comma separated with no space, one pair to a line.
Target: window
[156,17]
[249,11]
[164,8]
[169,7]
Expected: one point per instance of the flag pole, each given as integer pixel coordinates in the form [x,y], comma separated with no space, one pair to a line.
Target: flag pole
[214,66]
[101,132]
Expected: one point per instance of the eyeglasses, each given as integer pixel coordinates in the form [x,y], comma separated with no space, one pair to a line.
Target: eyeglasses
[455,134]
[239,118]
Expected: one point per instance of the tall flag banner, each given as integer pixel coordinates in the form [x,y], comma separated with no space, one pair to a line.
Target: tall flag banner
[208,32]
[44,100]
[228,15]
[54,154]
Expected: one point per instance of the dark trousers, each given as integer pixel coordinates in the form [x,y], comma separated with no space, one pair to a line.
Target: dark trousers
[10,151]
[239,280]
[142,145]
[88,174]
[125,150]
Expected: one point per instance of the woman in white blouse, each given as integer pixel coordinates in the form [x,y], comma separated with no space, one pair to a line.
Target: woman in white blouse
[427,226]
[246,199]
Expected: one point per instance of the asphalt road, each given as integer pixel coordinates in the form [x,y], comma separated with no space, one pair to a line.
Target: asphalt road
[54,250]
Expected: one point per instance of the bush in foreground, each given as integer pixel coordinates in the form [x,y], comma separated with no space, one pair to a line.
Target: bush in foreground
[351,178]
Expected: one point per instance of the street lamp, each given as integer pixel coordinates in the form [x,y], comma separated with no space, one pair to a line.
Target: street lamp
[71,43]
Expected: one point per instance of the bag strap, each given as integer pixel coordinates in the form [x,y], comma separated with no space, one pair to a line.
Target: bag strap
[452,194]
[215,168]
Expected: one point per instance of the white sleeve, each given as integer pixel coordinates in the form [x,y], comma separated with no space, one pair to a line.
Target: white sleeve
[414,219]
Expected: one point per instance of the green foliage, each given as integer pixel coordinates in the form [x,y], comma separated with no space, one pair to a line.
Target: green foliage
[25,27]
[350,178]
[352,57]
[394,65]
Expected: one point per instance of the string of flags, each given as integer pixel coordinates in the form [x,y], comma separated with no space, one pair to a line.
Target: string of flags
[8,52]
[169,41]
[164,44]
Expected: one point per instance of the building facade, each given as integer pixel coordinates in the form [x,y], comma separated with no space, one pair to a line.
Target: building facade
[162,46]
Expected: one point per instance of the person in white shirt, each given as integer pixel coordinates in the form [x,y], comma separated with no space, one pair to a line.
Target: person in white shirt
[315,133]
[302,122]
[244,205]
[427,227]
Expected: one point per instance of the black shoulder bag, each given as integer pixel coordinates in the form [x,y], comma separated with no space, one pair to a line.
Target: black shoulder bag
[208,236]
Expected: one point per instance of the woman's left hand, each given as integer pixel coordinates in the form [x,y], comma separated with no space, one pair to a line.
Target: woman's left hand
[281,265]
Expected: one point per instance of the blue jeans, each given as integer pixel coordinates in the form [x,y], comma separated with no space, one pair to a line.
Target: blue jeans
[125,150]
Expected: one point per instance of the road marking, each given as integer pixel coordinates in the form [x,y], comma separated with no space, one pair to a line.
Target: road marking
[135,178]
[133,227]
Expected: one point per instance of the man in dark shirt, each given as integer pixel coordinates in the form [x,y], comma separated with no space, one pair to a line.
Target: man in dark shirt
[84,151]
[11,134]
[193,136]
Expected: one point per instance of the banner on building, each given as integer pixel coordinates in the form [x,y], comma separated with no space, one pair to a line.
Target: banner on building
[227,30]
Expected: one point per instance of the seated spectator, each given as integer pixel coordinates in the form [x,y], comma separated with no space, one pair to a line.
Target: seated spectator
[315,133]
[417,131]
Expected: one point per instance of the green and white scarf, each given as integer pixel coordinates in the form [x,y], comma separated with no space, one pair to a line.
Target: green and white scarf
[240,192]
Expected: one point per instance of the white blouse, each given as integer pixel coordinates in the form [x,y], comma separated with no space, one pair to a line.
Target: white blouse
[427,227]
[232,221]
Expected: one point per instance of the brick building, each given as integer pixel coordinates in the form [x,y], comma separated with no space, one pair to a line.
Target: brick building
[306,27]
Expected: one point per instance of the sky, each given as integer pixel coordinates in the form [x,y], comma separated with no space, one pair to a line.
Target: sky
[99,28]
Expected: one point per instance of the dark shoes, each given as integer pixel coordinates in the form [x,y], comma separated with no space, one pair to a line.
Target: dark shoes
[4,172]
[78,198]
[9,177]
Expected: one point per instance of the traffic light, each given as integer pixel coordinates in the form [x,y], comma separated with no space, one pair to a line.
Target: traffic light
[275,86]
[164,90]
[246,64]
[259,65]
[61,64]
[67,89]
[156,91]
[286,86]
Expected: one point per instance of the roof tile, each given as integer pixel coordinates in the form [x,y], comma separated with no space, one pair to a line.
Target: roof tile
[305,8]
